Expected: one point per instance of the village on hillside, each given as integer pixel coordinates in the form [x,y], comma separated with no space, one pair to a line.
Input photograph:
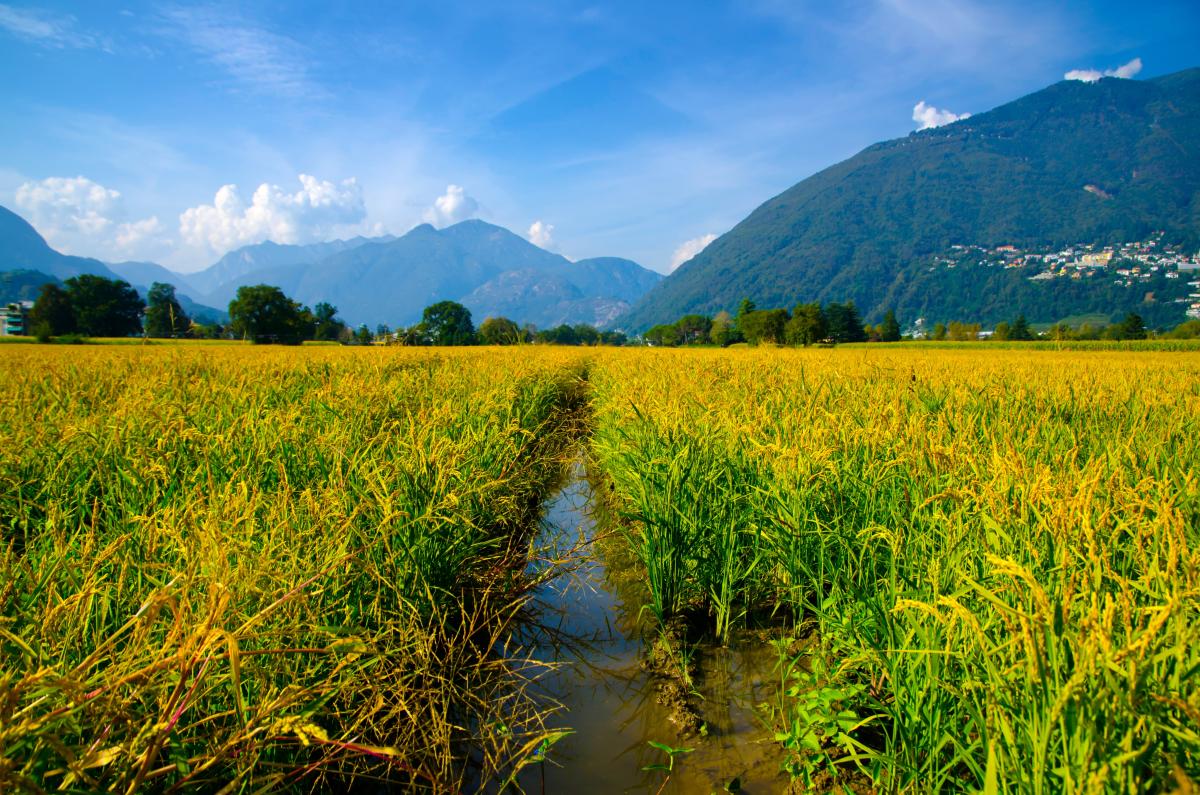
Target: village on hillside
[1129,265]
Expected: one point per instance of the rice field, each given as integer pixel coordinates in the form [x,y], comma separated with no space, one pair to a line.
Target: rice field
[290,569]
[263,568]
[986,566]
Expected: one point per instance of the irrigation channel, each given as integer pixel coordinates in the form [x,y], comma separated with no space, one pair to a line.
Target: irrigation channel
[588,626]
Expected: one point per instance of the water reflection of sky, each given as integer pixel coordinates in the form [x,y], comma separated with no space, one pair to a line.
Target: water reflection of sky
[582,625]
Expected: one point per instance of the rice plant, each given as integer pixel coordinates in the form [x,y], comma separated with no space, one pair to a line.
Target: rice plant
[269,569]
[997,553]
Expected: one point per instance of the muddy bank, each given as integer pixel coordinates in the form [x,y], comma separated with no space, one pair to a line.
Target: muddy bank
[620,688]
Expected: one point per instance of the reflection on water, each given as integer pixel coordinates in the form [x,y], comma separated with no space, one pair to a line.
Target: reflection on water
[584,625]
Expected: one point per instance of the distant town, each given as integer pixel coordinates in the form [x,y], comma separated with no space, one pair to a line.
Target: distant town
[1140,263]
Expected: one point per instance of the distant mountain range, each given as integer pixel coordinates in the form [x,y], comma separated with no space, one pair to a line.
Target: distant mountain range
[487,268]
[370,280]
[1104,162]
[27,262]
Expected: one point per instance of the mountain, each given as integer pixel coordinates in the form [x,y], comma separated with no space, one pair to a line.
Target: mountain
[544,299]
[1102,162]
[488,268]
[593,291]
[371,280]
[22,285]
[150,272]
[144,274]
[27,262]
[22,248]
[268,255]
[622,279]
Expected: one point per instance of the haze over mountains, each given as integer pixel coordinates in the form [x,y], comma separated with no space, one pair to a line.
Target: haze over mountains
[1102,162]
[391,280]
[371,280]
[27,262]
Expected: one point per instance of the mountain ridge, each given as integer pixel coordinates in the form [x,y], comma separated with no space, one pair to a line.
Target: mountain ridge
[385,279]
[864,228]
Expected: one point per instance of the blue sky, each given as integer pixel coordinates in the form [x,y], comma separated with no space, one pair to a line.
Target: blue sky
[637,129]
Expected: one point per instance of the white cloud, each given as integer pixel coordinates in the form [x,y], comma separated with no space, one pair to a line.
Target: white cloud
[690,248]
[136,235]
[61,207]
[451,207]
[928,116]
[256,58]
[44,28]
[79,216]
[1124,71]
[318,211]
[541,234]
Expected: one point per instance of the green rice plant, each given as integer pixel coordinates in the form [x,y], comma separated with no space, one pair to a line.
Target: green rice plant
[687,520]
[233,567]
[998,550]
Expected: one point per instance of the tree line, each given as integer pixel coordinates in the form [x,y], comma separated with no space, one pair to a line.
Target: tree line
[450,323]
[807,324]
[832,323]
[93,306]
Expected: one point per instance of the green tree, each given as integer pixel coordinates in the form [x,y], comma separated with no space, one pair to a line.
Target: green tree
[1020,329]
[499,331]
[263,314]
[416,334]
[693,329]
[586,335]
[52,314]
[1132,327]
[807,325]
[614,338]
[164,316]
[104,307]
[939,331]
[964,332]
[764,325]
[744,308]
[889,329]
[1187,330]
[722,331]
[843,323]
[1060,331]
[448,323]
[1002,332]
[663,335]
[326,324]
[206,331]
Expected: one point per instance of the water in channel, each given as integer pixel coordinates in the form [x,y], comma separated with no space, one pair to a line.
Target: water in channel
[587,623]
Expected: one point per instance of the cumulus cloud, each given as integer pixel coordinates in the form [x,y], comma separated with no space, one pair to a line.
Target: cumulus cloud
[541,234]
[60,206]
[136,235]
[690,248]
[451,207]
[1124,71]
[928,116]
[79,216]
[318,211]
